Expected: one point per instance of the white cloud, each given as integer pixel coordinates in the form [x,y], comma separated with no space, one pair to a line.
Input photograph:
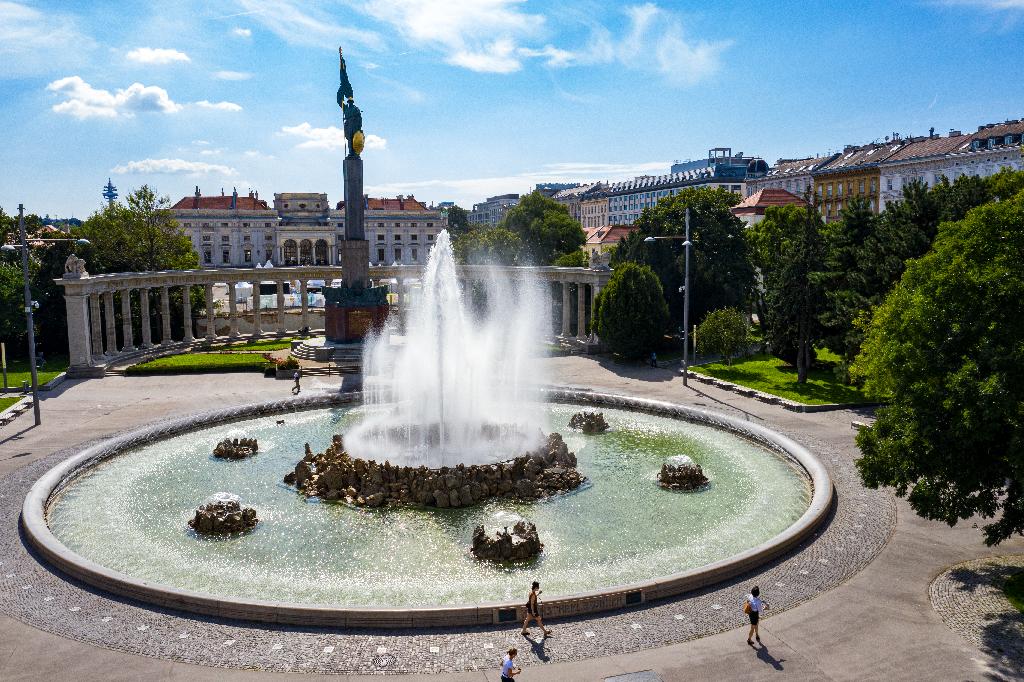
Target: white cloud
[156,55]
[32,42]
[232,75]
[997,5]
[220,106]
[656,42]
[298,24]
[211,152]
[241,32]
[173,167]
[258,155]
[330,137]
[84,101]
[200,143]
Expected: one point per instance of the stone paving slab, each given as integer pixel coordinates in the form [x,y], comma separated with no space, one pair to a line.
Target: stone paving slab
[860,525]
[969,597]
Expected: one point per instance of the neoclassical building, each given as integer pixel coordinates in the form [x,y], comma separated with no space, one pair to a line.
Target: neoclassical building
[302,229]
[792,175]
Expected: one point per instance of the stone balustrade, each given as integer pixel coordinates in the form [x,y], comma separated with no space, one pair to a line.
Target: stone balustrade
[91,313]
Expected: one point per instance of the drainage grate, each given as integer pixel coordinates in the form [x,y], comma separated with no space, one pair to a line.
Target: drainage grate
[383,661]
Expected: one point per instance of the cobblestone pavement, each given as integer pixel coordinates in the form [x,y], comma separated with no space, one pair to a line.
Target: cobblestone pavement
[969,598]
[860,525]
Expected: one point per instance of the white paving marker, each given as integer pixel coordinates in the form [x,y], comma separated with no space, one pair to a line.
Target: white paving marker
[183,635]
[716,607]
[488,646]
[435,649]
[75,608]
[142,628]
[635,626]
[382,650]
[328,649]
[106,619]
[679,616]
[229,642]
[588,634]
[277,647]
[47,598]
[804,573]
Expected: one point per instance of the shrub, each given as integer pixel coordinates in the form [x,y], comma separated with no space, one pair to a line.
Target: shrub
[631,312]
[724,332]
[288,363]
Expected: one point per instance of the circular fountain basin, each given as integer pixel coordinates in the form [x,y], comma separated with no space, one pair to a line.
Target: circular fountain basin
[115,516]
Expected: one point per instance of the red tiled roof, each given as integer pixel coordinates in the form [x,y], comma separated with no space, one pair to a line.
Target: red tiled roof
[408,203]
[222,203]
[772,196]
[918,148]
[609,235]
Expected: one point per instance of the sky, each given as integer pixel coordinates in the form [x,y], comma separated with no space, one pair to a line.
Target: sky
[463,99]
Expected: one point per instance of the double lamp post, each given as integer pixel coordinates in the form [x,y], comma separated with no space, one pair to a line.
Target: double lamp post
[686,295]
[30,305]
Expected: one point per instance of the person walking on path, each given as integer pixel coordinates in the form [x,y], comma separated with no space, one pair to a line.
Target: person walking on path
[533,610]
[508,667]
[296,388]
[654,359]
[753,606]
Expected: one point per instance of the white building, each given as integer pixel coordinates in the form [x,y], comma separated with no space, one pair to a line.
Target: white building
[302,229]
[491,211]
[792,175]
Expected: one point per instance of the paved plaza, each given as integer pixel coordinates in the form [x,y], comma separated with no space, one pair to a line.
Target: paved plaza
[868,598]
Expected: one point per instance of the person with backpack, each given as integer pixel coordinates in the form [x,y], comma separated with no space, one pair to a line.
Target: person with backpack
[753,606]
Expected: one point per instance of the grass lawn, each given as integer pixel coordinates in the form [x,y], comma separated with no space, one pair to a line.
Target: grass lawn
[18,370]
[7,402]
[201,362]
[770,375]
[259,345]
[1014,589]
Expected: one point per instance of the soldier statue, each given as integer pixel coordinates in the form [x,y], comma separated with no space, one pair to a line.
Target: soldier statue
[350,112]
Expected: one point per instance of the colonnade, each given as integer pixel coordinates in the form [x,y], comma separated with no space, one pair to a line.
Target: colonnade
[91,313]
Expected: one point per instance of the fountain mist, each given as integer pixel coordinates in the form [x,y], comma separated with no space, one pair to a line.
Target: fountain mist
[458,387]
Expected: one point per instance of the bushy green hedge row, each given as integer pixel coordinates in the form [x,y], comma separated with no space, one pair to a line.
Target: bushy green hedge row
[191,363]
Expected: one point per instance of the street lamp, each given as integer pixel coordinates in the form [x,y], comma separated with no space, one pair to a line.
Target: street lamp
[686,295]
[30,305]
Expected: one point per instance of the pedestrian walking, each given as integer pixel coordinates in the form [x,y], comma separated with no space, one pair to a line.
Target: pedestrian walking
[296,388]
[533,610]
[508,666]
[753,606]
[654,359]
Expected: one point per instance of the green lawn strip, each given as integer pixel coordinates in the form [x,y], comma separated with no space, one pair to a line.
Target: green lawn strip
[259,345]
[7,402]
[201,362]
[770,375]
[18,370]
[1014,589]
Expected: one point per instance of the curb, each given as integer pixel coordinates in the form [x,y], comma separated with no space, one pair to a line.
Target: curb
[11,413]
[771,399]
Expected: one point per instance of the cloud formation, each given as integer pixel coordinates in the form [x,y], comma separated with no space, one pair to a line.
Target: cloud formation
[296,23]
[232,75]
[84,101]
[219,106]
[156,55]
[241,32]
[330,137]
[27,37]
[172,167]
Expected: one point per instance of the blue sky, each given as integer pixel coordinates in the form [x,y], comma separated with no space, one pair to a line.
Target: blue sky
[462,99]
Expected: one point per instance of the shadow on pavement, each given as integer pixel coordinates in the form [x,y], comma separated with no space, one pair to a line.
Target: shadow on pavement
[1001,636]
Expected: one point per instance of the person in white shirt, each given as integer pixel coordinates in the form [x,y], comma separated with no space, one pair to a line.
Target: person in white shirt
[508,669]
[753,606]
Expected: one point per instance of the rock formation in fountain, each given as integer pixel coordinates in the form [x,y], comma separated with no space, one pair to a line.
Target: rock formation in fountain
[589,422]
[335,475]
[522,544]
[239,448]
[681,473]
[223,514]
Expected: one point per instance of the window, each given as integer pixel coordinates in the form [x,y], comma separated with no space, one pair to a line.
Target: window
[860,187]
[414,237]
[415,255]
[830,190]
[380,224]
[380,255]
[266,225]
[430,237]
[302,206]
[207,237]
[873,185]
[398,224]
[207,256]
[888,183]
[224,239]
[267,237]
[286,205]
[398,237]
[245,224]
[398,254]
[223,224]
[225,256]
[1008,139]
[248,256]
[380,237]
[247,237]
[412,224]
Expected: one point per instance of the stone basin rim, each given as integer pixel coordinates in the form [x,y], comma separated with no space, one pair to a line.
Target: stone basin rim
[35,506]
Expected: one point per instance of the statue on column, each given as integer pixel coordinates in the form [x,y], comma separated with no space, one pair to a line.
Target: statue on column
[350,113]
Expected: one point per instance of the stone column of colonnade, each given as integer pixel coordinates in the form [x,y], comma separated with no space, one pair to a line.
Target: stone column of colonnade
[108,323]
[165,316]
[257,328]
[232,310]
[565,309]
[147,333]
[581,311]
[95,326]
[186,307]
[280,307]
[303,285]
[126,320]
[211,332]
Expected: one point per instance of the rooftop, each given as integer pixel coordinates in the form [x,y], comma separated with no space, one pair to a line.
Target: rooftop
[756,203]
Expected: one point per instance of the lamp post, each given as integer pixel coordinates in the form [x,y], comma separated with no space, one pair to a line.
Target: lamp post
[686,295]
[30,305]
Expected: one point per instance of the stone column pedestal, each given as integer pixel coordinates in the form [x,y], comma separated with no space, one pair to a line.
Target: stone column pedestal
[147,332]
[355,262]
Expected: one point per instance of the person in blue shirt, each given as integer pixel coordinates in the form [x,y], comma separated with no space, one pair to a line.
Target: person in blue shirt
[508,669]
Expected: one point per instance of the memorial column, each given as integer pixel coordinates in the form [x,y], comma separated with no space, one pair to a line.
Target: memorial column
[96,322]
[303,285]
[211,332]
[256,322]
[232,311]
[565,309]
[126,320]
[147,333]
[581,310]
[280,307]
[165,316]
[186,310]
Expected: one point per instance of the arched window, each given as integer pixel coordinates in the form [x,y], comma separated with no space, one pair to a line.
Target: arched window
[305,252]
[291,252]
[320,252]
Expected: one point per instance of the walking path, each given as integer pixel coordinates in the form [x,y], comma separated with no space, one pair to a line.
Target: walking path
[861,611]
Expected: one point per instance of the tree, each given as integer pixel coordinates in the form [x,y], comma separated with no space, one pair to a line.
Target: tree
[721,275]
[458,221]
[12,305]
[946,348]
[630,311]
[576,259]
[545,228]
[724,332]
[496,246]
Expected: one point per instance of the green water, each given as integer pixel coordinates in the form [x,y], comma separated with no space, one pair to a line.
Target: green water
[130,514]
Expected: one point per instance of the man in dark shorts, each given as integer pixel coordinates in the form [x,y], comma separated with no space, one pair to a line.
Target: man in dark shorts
[533,610]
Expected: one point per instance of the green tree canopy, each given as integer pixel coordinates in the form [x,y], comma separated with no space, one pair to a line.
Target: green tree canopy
[946,347]
[720,273]
[496,246]
[545,229]
[630,311]
[576,259]
[724,332]
[458,220]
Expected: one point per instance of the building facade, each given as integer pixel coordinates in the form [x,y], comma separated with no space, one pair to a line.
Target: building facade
[491,211]
[571,198]
[854,173]
[792,175]
[302,229]
[594,208]
[752,209]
